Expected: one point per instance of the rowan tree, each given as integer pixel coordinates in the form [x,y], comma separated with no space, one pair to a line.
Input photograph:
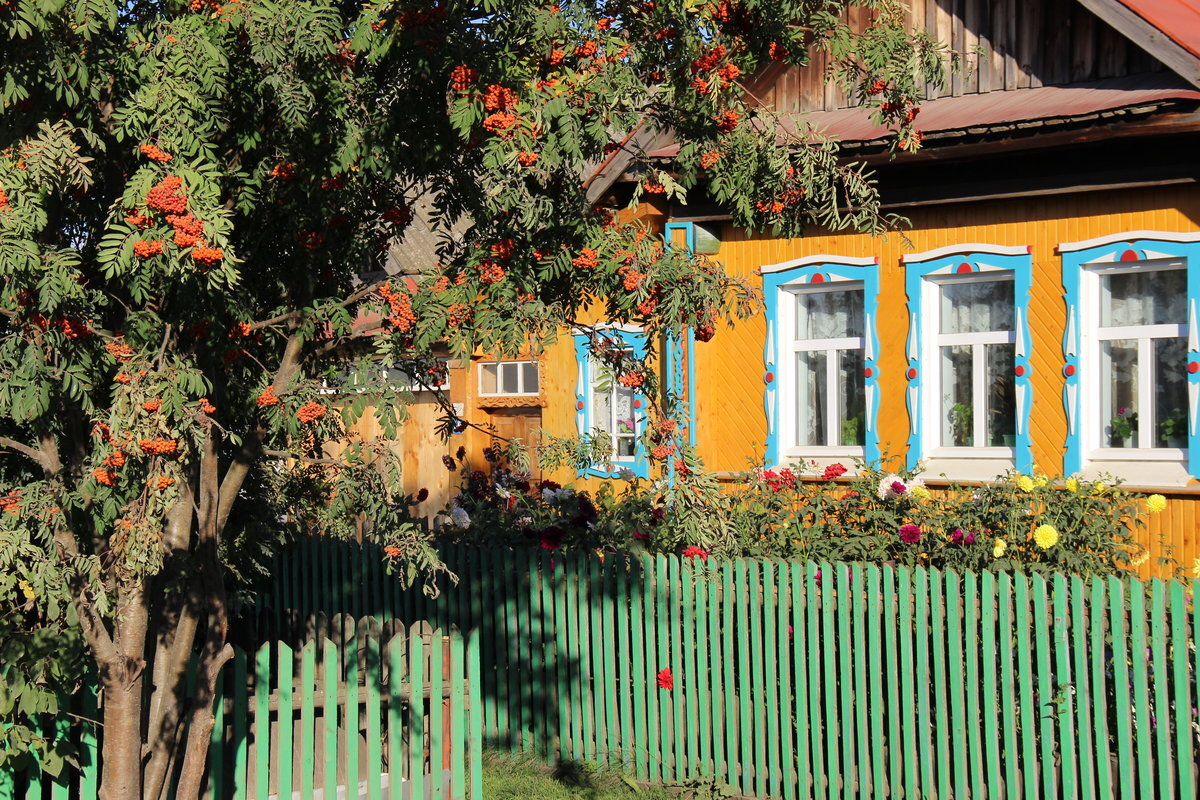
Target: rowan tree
[190,194]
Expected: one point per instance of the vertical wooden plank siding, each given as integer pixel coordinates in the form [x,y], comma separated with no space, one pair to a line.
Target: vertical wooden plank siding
[416,719]
[284,688]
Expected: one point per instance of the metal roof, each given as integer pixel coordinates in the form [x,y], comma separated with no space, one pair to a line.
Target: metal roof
[973,111]
[1179,20]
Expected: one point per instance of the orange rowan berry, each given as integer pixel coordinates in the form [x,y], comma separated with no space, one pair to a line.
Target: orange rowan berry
[710,159]
[500,122]
[163,196]
[311,412]
[105,476]
[138,221]
[119,350]
[527,159]
[777,52]
[207,256]
[121,377]
[207,407]
[587,259]
[3,199]
[462,76]
[268,398]
[143,248]
[499,98]
[458,314]
[159,446]
[556,57]
[11,501]
[117,459]
[283,171]
[152,405]
[154,154]
[877,87]
[586,50]
[727,121]
[162,483]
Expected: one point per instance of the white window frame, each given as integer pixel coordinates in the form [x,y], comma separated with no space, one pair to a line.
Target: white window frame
[934,340]
[1092,338]
[523,389]
[788,371]
[611,431]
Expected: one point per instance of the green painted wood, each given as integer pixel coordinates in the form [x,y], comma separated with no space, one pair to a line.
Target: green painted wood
[1064,678]
[508,652]
[1098,653]
[784,633]
[924,677]
[971,657]
[1121,689]
[691,683]
[1083,690]
[845,646]
[1184,700]
[284,685]
[732,773]
[895,614]
[417,650]
[330,682]
[636,586]
[376,691]
[744,678]
[397,721]
[799,672]
[1025,683]
[262,720]
[757,690]
[830,651]
[706,695]
[662,658]
[863,752]
[437,665]
[523,659]
[571,638]
[587,662]
[474,725]
[677,696]
[1161,686]
[350,712]
[769,659]
[1047,696]
[89,750]
[308,686]
[216,746]
[989,713]
[649,617]
[1141,688]
[551,707]
[459,728]
[60,787]
[956,667]
[601,649]
[873,695]
[943,732]
[562,658]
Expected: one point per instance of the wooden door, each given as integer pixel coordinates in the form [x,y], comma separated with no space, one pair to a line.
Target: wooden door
[520,423]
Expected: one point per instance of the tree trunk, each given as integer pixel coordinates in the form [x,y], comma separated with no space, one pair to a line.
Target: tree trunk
[122,749]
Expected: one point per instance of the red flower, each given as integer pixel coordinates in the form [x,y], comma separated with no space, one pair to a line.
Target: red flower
[665,679]
[695,552]
[448,462]
[422,495]
[910,534]
[834,471]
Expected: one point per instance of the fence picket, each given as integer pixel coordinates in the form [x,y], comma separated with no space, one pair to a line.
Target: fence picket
[799,675]
[941,681]
[262,720]
[1162,677]
[416,716]
[843,610]
[904,621]
[329,714]
[1047,696]
[1121,688]
[1141,686]
[1063,674]
[1184,701]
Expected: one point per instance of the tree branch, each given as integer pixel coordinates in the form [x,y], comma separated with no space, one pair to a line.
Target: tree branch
[24,449]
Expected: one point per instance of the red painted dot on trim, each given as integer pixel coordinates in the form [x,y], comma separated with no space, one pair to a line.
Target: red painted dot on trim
[1069,370]
[868,372]
[965,267]
[1194,367]
[579,405]
[818,278]
[769,377]
[1019,371]
[637,403]
[1130,255]
[912,373]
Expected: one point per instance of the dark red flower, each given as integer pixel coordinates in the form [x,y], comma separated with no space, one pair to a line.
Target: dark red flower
[695,552]
[834,471]
[422,495]
[665,679]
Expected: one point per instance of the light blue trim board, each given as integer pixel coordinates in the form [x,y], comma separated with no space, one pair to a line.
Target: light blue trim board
[816,270]
[963,260]
[688,369]
[640,465]
[1111,250]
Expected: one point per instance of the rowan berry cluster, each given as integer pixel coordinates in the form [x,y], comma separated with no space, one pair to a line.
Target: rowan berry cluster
[105,476]
[527,158]
[403,318]
[490,272]
[310,412]
[706,329]
[188,229]
[633,279]
[777,52]
[122,378]
[727,121]
[207,256]
[154,154]
[710,159]
[401,215]
[164,196]
[11,501]
[139,221]
[207,407]
[116,459]
[162,484]
[159,446]
[147,248]
[152,405]
[587,259]
[501,122]
[268,398]
[499,98]
[283,171]
[3,199]
[502,249]
[586,50]
[74,328]
[462,77]
[458,314]
[647,306]
[877,87]
[632,379]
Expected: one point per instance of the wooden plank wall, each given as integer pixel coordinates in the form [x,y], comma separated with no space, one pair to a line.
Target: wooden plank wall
[729,376]
[1024,44]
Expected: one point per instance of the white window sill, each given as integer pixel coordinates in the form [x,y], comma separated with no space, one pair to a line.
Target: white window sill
[969,464]
[972,453]
[816,459]
[1138,468]
[1119,454]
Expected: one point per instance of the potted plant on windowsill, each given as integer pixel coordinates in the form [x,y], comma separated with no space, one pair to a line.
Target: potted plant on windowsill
[961,418]
[1172,431]
[1121,427]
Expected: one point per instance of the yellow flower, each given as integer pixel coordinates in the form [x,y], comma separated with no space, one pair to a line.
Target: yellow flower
[1040,481]
[1196,568]
[1000,546]
[1045,536]
[1025,483]
[1156,503]
[1142,558]
[1072,484]
[1098,487]
[920,491]
[26,589]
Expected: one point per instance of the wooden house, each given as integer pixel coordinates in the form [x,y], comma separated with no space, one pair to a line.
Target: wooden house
[1041,308]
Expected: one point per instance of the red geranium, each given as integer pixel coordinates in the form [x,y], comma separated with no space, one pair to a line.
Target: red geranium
[665,679]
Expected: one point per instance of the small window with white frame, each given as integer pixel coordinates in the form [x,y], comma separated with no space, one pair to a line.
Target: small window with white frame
[509,378]
[612,408]
[823,402]
[1136,328]
[971,399]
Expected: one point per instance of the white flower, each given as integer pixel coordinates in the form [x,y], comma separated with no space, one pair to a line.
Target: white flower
[550,495]
[460,517]
[891,487]
[626,474]
[504,493]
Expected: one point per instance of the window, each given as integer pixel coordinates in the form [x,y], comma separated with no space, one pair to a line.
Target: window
[508,378]
[821,377]
[969,369]
[1132,371]
[606,404]
[827,382]
[973,349]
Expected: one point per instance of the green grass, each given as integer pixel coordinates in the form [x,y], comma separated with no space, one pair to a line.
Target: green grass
[507,777]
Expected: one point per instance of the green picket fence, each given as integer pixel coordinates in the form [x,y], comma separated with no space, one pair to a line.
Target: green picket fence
[362,711]
[804,680]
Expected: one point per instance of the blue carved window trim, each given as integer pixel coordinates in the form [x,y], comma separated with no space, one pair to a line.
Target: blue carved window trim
[967,259]
[1111,250]
[635,341]
[809,271]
